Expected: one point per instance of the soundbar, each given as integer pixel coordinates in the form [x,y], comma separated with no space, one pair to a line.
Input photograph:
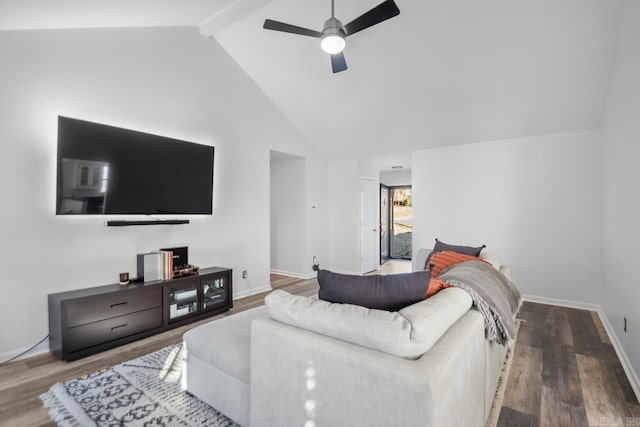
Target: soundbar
[119,223]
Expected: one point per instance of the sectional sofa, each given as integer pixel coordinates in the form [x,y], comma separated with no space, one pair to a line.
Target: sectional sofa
[300,361]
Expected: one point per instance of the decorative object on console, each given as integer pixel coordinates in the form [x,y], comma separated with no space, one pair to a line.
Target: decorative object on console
[180,256]
[390,292]
[186,271]
[167,264]
[180,262]
[124,278]
[150,267]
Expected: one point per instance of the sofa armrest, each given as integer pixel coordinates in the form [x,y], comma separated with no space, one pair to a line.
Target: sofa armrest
[299,376]
[417,262]
[506,270]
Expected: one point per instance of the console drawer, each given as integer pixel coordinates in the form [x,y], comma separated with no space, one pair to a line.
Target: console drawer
[101,307]
[95,333]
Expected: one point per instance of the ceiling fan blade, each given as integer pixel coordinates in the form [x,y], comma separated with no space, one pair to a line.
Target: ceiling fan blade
[338,63]
[381,12]
[270,24]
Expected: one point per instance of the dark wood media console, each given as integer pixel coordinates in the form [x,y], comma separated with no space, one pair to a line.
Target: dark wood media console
[88,321]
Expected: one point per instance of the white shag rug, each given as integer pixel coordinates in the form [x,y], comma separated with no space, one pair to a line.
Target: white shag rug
[141,392]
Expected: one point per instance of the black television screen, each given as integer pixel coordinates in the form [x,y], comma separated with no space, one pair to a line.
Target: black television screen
[107,170]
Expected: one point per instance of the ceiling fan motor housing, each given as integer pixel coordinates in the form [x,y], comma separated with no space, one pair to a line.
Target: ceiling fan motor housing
[333,26]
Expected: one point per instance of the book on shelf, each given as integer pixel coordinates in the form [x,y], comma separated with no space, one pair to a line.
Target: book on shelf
[155,265]
[150,266]
[167,265]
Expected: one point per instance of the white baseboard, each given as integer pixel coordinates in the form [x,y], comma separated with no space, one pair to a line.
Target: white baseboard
[631,373]
[305,276]
[249,292]
[622,355]
[561,302]
[41,348]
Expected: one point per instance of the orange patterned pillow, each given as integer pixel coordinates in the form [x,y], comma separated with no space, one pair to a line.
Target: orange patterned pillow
[444,259]
[435,286]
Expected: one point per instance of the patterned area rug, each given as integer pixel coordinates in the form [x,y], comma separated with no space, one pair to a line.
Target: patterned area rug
[142,392]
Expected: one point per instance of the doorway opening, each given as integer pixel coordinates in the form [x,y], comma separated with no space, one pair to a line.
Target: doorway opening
[288,224]
[396,222]
[385,212]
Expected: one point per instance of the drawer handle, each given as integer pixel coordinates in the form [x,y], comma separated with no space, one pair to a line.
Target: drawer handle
[120,303]
[119,326]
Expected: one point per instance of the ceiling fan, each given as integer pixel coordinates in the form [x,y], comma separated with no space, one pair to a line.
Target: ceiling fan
[334,33]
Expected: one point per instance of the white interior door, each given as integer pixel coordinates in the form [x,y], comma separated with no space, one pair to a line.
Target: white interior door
[370,239]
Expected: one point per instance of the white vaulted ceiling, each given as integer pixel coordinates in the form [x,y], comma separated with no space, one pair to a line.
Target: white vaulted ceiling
[46,14]
[442,72]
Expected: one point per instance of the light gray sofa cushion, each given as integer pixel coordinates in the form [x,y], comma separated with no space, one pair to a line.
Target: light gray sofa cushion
[409,333]
[224,343]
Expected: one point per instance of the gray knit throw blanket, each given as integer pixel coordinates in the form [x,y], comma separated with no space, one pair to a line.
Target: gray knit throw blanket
[493,295]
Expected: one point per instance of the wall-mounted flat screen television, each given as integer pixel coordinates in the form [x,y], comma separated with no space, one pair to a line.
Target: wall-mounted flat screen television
[105,170]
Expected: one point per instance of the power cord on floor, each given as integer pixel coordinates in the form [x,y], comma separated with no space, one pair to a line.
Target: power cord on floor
[25,352]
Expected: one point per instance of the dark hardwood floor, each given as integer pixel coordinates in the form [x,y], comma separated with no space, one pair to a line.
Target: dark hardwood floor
[564,371]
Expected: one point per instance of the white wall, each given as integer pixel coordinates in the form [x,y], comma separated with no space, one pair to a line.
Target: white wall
[344,217]
[534,201]
[169,81]
[621,212]
[395,178]
[318,211]
[289,217]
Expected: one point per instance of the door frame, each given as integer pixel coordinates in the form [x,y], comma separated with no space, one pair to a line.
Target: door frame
[391,228]
[385,188]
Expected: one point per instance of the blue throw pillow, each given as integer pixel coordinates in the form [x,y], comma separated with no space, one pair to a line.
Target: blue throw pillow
[390,292]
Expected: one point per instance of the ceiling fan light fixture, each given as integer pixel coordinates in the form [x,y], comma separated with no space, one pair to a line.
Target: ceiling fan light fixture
[332,43]
[332,40]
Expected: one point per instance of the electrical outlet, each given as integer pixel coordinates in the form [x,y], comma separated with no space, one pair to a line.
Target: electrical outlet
[625,325]
[314,260]
[244,274]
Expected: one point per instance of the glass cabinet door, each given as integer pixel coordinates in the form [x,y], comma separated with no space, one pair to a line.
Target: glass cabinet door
[214,292]
[183,301]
